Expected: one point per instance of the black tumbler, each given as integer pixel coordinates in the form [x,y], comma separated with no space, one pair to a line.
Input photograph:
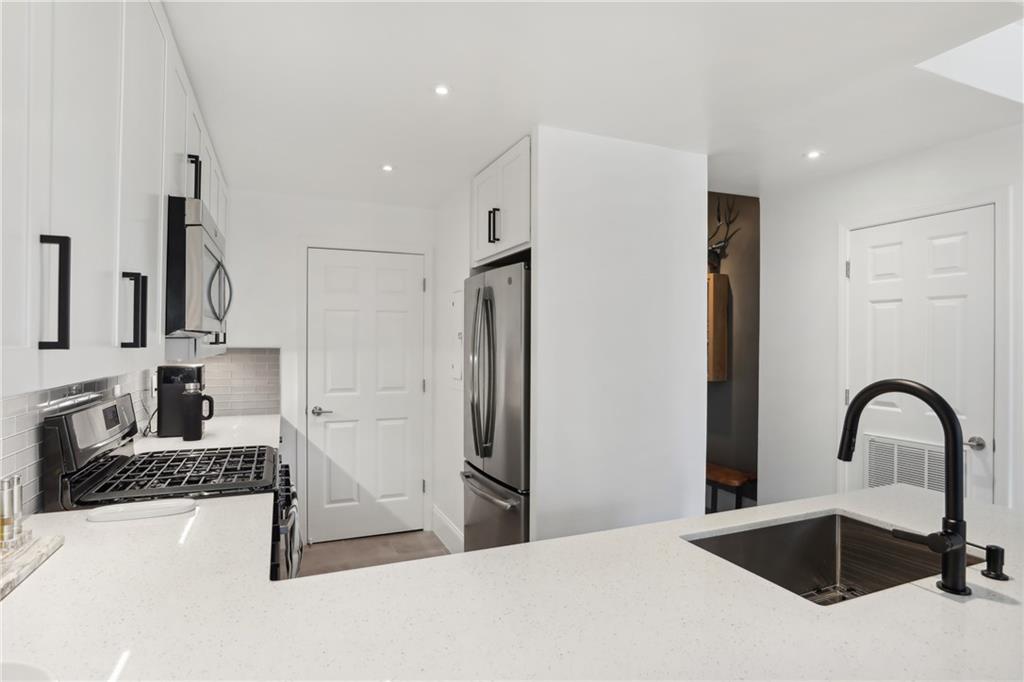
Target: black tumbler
[192,416]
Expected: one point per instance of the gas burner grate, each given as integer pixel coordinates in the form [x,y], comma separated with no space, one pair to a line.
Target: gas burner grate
[178,472]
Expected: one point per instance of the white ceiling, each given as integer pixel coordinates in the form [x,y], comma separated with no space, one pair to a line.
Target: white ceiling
[314,98]
[991,63]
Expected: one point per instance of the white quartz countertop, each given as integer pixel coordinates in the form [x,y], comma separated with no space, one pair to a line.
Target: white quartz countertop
[188,597]
[218,432]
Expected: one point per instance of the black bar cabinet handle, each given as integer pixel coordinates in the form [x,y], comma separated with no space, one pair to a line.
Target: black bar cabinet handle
[494,221]
[490,226]
[140,286]
[143,309]
[63,244]
[197,174]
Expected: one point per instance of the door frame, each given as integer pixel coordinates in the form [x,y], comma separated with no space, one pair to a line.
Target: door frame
[302,444]
[1001,199]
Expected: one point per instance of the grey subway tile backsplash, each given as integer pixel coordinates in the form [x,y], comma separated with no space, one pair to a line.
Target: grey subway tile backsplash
[23,414]
[245,381]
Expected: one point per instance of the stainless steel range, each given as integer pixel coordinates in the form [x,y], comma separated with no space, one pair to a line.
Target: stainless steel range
[89,459]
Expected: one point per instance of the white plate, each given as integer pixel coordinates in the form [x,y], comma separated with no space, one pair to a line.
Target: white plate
[142,510]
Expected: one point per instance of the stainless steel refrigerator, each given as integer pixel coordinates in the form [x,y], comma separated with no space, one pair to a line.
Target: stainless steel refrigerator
[496,474]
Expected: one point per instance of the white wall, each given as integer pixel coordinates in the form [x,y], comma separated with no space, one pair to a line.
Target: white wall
[799,391]
[618,342]
[270,234]
[451,267]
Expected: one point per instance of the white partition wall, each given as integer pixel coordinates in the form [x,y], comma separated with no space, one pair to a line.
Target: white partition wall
[800,383]
[618,341]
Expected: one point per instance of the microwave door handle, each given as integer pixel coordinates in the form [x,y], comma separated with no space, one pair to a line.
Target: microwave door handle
[231,292]
[209,291]
[474,378]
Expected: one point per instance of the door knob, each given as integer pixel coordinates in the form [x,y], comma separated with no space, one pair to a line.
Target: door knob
[317,411]
[976,443]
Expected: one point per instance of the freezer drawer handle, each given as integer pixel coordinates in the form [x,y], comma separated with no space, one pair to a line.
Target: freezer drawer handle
[487,495]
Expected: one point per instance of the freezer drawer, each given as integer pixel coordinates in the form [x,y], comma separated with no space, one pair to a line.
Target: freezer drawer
[494,514]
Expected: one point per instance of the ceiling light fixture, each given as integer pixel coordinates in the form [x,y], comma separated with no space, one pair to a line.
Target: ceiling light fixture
[813,154]
[441,89]
[387,168]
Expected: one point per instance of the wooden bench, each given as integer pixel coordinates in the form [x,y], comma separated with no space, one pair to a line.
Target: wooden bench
[732,480]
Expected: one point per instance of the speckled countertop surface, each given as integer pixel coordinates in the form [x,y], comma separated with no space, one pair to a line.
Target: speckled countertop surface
[254,429]
[188,597]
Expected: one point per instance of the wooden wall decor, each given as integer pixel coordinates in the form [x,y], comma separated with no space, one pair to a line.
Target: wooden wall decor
[718,327]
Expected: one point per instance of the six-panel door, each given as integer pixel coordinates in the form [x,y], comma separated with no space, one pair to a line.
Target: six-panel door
[365,402]
[921,307]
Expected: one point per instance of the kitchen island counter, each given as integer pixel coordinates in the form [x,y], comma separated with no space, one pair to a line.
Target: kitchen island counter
[188,597]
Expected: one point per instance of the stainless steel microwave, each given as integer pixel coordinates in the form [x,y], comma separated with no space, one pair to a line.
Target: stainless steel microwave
[199,290]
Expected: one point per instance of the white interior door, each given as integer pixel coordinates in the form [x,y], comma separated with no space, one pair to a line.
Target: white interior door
[365,372]
[921,307]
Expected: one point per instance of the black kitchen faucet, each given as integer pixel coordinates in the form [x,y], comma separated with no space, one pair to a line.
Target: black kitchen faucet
[951,541]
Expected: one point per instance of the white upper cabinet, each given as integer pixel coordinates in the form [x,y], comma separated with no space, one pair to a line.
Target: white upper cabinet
[26,43]
[177,120]
[85,82]
[143,202]
[98,117]
[500,221]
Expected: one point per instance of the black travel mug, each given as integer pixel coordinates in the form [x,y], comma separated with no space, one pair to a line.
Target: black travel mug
[192,416]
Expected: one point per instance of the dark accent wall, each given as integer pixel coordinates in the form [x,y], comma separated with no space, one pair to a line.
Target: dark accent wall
[732,404]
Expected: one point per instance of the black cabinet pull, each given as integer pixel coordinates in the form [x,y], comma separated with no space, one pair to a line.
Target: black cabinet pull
[494,222]
[490,226]
[140,287]
[63,244]
[197,174]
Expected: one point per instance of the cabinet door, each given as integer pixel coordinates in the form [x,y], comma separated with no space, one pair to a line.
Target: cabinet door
[193,144]
[85,139]
[504,185]
[221,208]
[177,169]
[143,203]
[486,196]
[26,53]
[512,228]
[209,174]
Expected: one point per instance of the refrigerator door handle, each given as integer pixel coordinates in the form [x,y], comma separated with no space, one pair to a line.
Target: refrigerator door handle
[474,377]
[480,491]
[491,367]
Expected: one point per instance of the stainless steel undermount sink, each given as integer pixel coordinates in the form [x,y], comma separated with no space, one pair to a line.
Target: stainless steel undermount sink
[827,559]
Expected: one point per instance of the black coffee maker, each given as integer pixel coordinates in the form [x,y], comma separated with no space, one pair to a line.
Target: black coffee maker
[170,385]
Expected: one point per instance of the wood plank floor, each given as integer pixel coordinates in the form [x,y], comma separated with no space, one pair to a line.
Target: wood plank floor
[342,555]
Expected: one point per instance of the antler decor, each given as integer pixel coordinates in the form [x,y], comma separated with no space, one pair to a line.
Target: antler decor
[717,249]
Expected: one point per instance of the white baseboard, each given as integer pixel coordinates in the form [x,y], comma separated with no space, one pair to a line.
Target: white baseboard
[447,532]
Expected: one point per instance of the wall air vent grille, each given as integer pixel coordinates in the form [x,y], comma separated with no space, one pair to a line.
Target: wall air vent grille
[881,463]
[893,460]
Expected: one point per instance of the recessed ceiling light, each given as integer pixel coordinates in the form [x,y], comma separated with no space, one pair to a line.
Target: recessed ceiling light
[387,168]
[813,154]
[441,89]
